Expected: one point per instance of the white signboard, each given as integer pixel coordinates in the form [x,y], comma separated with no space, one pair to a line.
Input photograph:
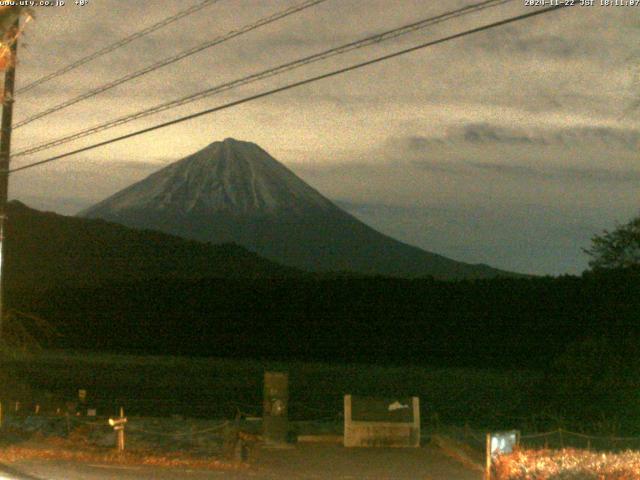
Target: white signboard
[504,442]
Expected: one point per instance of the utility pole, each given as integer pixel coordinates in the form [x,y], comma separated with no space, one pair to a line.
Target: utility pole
[5,148]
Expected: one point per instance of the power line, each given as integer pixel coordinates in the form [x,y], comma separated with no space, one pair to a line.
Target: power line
[294,85]
[120,43]
[168,61]
[367,41]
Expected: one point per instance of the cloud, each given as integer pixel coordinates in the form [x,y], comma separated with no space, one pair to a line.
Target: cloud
[480,133]
[565,39]
[524,172]
[628,139]
[559,173]
[514,41]
[593,168]
[484,133]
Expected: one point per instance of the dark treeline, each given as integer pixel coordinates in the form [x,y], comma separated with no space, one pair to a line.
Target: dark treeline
[580,334]
[511,323]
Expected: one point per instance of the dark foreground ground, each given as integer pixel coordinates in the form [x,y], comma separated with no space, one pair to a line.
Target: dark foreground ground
[313,461]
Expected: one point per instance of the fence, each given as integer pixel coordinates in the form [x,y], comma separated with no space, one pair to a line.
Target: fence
[554,439]
[200,428]
[562,438]
[197,436]
[189,422]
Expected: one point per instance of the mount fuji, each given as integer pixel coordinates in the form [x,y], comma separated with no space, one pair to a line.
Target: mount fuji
[234,191]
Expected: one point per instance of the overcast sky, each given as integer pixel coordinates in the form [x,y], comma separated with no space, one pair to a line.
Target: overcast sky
[510,147]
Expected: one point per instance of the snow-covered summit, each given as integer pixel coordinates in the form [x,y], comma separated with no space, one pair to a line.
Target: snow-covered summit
[233,191]
[230,176]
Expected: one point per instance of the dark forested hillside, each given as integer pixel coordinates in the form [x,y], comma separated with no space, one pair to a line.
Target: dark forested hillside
[501,322]
[46,249]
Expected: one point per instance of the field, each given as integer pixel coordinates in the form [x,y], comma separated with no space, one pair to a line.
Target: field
[188,396]
[180,408]
[217,388]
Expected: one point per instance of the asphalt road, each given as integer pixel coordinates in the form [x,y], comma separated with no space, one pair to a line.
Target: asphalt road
[312,462]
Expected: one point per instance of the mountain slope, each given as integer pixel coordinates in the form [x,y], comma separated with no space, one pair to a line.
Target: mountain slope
[234,191]
[45,249]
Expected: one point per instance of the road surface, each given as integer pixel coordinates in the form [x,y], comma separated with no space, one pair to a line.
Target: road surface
[304,461]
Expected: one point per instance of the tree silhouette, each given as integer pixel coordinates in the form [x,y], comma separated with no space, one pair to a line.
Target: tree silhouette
[618,249]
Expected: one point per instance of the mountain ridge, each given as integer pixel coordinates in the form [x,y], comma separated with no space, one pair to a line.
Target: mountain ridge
[46,249]
[242,183]
[234,191]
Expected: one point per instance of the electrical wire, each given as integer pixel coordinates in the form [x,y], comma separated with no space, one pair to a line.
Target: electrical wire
[286,67]
[120,43]
[169,60]
[296,84]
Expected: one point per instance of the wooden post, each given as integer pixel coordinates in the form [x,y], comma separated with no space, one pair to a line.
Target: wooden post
[487,468]
[346,441]
[118,425]
[416,420]
[121,432]
[5,149]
